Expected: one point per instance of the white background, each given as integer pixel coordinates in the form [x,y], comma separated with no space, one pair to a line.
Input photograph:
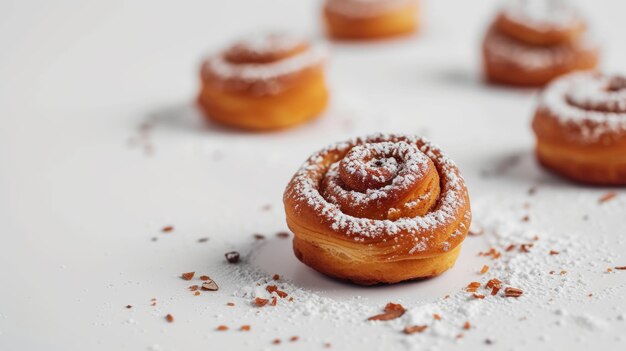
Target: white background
[80,200]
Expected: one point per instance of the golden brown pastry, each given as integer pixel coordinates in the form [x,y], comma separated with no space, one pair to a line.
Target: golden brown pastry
[370,19]
[580,126]
[268,81]
[380,209]
[532,42]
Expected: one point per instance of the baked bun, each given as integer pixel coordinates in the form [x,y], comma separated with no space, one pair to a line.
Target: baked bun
[532,42]
[370,19]
[580,126]
[264,82]
[380,209]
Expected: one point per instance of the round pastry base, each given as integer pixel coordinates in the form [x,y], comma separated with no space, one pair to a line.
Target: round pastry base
[392,24]
[590,165]
[340,266]
[304,100]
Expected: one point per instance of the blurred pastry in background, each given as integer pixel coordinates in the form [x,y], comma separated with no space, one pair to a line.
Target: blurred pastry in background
[370,19]
[532,42]
[264,82]
[580,126]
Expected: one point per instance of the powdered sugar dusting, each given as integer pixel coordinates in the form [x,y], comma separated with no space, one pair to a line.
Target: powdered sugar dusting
[379,176]
[539,274]
[257,71]
[307,182]
[579,99]
[301,302]
[262,43]
[535,272]
[265,76]
[542,14]
[598,93]
[504,49]
[543,18]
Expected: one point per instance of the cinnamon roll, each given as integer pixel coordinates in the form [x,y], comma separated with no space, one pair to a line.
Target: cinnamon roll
[532,42]
[580,126]
[268,81]
[368,19]
[380,209]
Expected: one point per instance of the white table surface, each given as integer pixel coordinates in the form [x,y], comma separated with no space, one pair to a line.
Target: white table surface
[80,203]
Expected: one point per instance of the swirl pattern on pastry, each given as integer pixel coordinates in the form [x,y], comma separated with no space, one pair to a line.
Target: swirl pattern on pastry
[267,81]
[580,126]
[380,209]
[532,42]
[363,19]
